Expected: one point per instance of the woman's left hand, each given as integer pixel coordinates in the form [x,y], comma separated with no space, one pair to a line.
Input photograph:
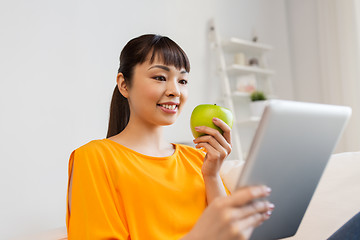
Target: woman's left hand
[217,145]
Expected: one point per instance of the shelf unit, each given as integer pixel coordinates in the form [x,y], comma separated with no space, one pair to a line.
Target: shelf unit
[230,72]
[243,70]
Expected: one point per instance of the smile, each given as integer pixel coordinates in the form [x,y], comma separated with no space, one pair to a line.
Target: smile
[168,106]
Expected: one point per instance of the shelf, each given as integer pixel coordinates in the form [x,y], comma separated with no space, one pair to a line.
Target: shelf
[241,94]
[247,95]
[249,122]
[242,70]
[240,45]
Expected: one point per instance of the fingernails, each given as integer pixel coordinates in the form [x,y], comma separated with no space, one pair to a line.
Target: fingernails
[266,216]
[197,128]
[215,119]
[271,206]
[267,190]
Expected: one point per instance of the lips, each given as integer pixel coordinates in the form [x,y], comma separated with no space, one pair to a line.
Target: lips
[169,105]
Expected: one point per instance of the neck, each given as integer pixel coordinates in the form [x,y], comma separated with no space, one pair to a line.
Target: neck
[143,134]
[144,138]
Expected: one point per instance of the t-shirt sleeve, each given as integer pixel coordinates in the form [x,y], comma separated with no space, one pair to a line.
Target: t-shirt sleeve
[95,205]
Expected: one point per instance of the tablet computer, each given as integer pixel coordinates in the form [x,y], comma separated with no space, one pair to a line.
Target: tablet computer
[289,152]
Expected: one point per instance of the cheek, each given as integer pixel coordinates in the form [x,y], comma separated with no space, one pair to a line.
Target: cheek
[151,92]
[184,95]
[183,98]
[147,92]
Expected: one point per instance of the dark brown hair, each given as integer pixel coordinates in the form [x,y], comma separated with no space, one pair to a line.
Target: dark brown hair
[136,52]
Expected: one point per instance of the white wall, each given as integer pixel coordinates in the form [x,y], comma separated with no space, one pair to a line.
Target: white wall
[324,45]
[58,63]
[304,49]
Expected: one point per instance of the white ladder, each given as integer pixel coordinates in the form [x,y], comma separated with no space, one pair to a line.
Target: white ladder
[216,45]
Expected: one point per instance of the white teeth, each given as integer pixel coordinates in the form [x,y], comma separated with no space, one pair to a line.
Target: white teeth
[171,107]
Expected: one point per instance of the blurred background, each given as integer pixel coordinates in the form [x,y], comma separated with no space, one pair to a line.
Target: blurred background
[58,66]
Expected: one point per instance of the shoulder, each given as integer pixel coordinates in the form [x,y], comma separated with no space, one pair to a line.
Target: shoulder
[92,152]
[93,147]
[91,161]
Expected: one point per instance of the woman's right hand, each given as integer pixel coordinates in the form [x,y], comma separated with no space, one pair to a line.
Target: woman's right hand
[234,216]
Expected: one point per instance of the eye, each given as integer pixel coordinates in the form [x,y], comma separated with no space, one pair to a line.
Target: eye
[159,78]
[183,81]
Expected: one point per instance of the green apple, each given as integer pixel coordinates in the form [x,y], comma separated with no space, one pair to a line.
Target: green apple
[203,114]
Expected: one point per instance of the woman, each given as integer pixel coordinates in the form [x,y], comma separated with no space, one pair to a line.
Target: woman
[136,185]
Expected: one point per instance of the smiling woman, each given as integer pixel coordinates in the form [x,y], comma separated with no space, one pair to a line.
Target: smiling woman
[134,184]
[137,51]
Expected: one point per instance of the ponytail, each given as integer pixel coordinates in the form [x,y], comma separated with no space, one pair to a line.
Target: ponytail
[119,113]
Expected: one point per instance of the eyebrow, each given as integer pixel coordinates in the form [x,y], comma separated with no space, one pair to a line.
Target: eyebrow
[165,68]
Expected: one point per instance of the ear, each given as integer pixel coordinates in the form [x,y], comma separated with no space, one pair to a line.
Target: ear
[122,85]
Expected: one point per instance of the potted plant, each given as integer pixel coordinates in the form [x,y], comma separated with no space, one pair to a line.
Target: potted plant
[258,101]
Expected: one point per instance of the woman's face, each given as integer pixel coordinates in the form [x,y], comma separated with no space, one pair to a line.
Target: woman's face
[158,93]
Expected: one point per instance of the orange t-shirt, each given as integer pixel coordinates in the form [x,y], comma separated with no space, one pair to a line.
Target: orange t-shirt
[118,193]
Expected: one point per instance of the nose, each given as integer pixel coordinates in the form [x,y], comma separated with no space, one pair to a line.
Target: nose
[172,89]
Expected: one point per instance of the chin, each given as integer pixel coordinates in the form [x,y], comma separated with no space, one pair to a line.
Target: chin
[167,122]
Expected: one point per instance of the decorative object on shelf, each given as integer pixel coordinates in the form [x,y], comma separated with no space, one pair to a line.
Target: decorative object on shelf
[257,96]
[254,35]
[240,59]
[258,103]
[254,62]
[246,83]
[254,39]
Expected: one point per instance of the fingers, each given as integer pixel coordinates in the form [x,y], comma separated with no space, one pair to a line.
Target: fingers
[209,148]
[252,221]
[246,195]
[242,220]
[243,228]
[226,129]
[213,148]
[262,207]
[255,212]
[222,141]
[214,135]
[236,215]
